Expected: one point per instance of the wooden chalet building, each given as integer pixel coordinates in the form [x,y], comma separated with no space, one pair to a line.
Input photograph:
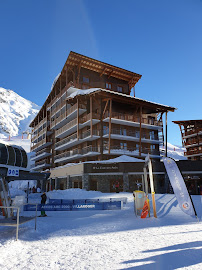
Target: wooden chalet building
[191,132]
[91,115]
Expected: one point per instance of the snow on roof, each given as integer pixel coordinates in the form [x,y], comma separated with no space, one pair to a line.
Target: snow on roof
[79,92]
[123,158]
[55,80]
[73,92]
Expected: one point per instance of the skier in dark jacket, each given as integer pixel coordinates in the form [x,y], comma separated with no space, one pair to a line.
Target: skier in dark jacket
[43,201]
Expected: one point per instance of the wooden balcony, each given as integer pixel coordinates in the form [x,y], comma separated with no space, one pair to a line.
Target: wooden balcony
[132,151]
[59,95]
[40,145]
[73,140]
[71,127]
[77,153]
[65,128]
[193,152]
[67,116]
[130,135]
[192,133]
[131,119]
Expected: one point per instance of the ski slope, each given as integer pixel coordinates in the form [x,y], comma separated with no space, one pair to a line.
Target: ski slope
[106,239]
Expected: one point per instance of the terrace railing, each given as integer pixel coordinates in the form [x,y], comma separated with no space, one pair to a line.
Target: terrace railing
[134,118]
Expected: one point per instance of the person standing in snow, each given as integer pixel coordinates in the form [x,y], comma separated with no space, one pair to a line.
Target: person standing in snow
[117,186]
[43,201]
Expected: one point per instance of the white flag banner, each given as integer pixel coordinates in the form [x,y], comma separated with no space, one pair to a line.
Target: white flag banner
[179,186]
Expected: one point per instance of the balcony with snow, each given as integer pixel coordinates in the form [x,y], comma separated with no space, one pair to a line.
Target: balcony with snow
[76,154]
[130,151]
[73,140]
[72,126]
[131,135]
[65,115]
[132,120]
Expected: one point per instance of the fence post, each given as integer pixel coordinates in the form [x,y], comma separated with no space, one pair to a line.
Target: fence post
[18,210]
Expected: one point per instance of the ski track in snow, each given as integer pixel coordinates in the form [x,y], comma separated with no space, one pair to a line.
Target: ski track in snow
[106,239]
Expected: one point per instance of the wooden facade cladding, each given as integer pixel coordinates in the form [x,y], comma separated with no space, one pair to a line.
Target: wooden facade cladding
[191,133]
[97,124]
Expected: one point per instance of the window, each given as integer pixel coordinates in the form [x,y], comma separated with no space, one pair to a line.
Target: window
[152,147]
[85,86]
[119,89]
[86,79]
[123,146]
[152,135]
[108,86]
[123,132]
[151,120]
[105,130]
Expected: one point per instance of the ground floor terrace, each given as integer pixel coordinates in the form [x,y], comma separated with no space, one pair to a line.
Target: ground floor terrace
[122,176]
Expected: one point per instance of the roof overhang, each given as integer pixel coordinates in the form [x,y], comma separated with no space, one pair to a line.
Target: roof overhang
[152,107]
[76,59]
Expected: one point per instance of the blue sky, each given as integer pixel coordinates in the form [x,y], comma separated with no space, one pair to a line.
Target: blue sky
[160,39]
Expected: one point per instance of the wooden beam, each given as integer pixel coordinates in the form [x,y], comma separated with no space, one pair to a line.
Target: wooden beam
[95,100]
[110,74]
[110,125]
[140,141]
[91,116]
[77,119]
[166,134]
[78,75]
[105,108]
[103,72]
[183,144]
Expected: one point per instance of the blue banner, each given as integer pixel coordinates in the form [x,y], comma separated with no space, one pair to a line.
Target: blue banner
[84,201]
[75,206]
[179,186]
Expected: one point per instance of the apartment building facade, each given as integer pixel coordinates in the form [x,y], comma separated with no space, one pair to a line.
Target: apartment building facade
[191,133]
[91,114]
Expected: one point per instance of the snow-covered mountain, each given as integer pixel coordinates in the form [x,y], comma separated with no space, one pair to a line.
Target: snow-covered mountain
[16,113]
[175,152]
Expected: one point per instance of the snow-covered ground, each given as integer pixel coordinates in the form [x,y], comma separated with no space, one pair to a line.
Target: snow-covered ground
[106,239]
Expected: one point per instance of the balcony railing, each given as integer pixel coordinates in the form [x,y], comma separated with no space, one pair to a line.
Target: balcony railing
[39,134]
[66,114]
[78,151]
[58,107]
[88,117]
[87,133]
[192,131]
[134,118]
[82,136]
[132,150]
[66,127]
[69,153]
[38,144]
[194,141]
[66,140]
[42,152]
[193,152]
[89,149]
[129,133]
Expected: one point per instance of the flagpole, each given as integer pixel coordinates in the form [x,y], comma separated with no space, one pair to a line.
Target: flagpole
[193,206]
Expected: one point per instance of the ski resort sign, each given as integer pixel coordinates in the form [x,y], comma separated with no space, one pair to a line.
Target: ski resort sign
[13,172]
[117,205]
[179,186]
